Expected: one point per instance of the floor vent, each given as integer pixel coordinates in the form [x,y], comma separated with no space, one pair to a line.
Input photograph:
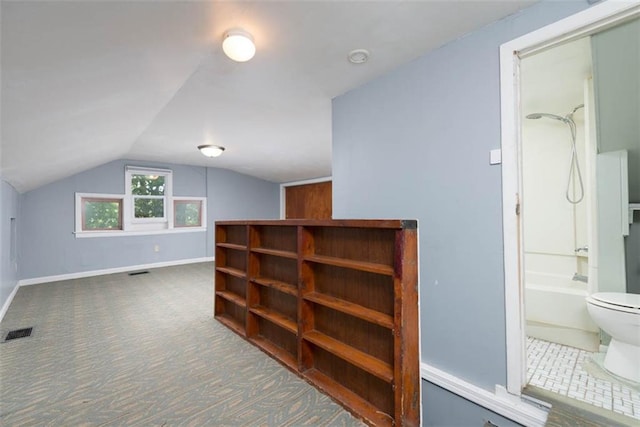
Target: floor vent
[137,273]
[18,333]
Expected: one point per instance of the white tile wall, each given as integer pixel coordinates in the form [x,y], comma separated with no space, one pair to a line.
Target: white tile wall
[561,369]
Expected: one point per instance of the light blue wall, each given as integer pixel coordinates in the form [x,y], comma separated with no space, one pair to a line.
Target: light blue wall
[9,208]
[48,246]
[415,144]
[437,410]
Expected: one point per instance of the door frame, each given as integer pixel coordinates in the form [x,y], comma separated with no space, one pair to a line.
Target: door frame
[581,24]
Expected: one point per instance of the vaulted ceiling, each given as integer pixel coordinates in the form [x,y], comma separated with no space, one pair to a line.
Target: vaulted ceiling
[87,82]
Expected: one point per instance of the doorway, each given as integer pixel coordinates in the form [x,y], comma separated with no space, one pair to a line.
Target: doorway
[516,199]
[307,200]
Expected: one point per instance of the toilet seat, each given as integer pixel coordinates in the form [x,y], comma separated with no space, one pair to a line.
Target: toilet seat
[619,301]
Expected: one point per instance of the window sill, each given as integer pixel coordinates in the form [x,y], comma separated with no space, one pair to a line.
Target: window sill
[121,233]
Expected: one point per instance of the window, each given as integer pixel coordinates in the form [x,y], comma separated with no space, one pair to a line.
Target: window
[146,207]
[101,214]
[188,212]
[148,192]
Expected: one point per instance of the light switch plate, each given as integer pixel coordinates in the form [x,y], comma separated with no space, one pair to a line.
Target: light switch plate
[495,157]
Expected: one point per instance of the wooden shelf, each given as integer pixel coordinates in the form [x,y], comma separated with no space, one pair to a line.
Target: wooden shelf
[275,252]
[358,358]
[283,287]
[275,317]
[353,264]
[232,324]
[273,350]
[231,246]
[352,309]
[234,298]
[232,271]
[335,301]
[360,407]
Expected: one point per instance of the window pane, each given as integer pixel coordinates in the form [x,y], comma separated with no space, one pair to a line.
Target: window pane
[147,185]
[148,208]
[187,213]
[101,214]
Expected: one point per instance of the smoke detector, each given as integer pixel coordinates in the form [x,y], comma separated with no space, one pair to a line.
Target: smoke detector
[358,56]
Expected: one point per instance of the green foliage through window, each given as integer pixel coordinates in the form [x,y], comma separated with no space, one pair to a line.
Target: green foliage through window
[102,214]
[148,207]
[147,185]
[187,213]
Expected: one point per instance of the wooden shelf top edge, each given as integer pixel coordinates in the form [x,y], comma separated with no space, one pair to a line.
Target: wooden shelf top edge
[275,252]
[358,358]
[357,405]
[356,310]
[232,246]
[370,267]
[407,224]
[234,298]
[270,348]
[283,287]
[232,271]
[276,318]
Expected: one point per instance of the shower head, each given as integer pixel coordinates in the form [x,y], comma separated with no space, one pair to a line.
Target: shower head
[536,116]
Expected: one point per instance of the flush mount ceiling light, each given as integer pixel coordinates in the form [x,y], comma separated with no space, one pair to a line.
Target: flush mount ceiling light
[238,45]
[210,150]
[358,56]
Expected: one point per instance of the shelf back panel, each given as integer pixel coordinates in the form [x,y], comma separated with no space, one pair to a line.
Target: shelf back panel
[360,244]
[367,386]
[283,238]
[369,290]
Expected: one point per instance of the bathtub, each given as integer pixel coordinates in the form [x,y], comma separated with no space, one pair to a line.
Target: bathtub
[556,311]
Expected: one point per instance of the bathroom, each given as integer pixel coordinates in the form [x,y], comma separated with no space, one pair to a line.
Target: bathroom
[581,213]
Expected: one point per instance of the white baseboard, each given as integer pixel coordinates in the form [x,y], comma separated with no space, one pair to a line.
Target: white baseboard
[501,402]
[7,303]
[79,275]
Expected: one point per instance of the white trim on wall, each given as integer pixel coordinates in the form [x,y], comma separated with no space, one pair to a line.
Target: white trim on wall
[82,274]
[284,185]
[7,303]
[500,402]
[596,18]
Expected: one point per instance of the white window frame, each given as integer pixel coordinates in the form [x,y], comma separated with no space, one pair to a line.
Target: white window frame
[139,224]
[106,197]
[203,211]
[592,20]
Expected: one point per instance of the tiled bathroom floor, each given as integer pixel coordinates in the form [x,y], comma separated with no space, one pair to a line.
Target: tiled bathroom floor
[576,374]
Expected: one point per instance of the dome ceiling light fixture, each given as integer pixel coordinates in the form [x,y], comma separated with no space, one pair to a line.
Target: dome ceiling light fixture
[238,45]
[211,150]
[358,56]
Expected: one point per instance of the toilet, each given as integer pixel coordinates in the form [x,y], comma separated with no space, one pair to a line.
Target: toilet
[618,314]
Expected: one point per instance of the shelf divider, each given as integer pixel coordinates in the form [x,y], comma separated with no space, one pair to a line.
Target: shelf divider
[275,317]
[276,252]
[362,360]
[234,298]
[232,271]
[352,309]
[283,287]
[231,246]
[353,264]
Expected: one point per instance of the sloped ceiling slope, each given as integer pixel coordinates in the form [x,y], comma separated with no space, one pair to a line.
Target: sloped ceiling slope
[84,83]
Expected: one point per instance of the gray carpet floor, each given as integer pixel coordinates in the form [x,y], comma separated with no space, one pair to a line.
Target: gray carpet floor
[143,350]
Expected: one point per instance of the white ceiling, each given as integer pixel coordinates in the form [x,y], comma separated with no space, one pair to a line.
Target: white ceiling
[553,81]
[86,82]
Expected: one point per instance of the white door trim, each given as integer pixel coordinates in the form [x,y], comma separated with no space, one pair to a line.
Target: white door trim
[596,18]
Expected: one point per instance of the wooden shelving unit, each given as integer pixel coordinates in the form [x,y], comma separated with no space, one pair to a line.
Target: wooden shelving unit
[336,301]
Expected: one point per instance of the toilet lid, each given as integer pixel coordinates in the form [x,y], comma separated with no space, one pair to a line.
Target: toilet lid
[618,298]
